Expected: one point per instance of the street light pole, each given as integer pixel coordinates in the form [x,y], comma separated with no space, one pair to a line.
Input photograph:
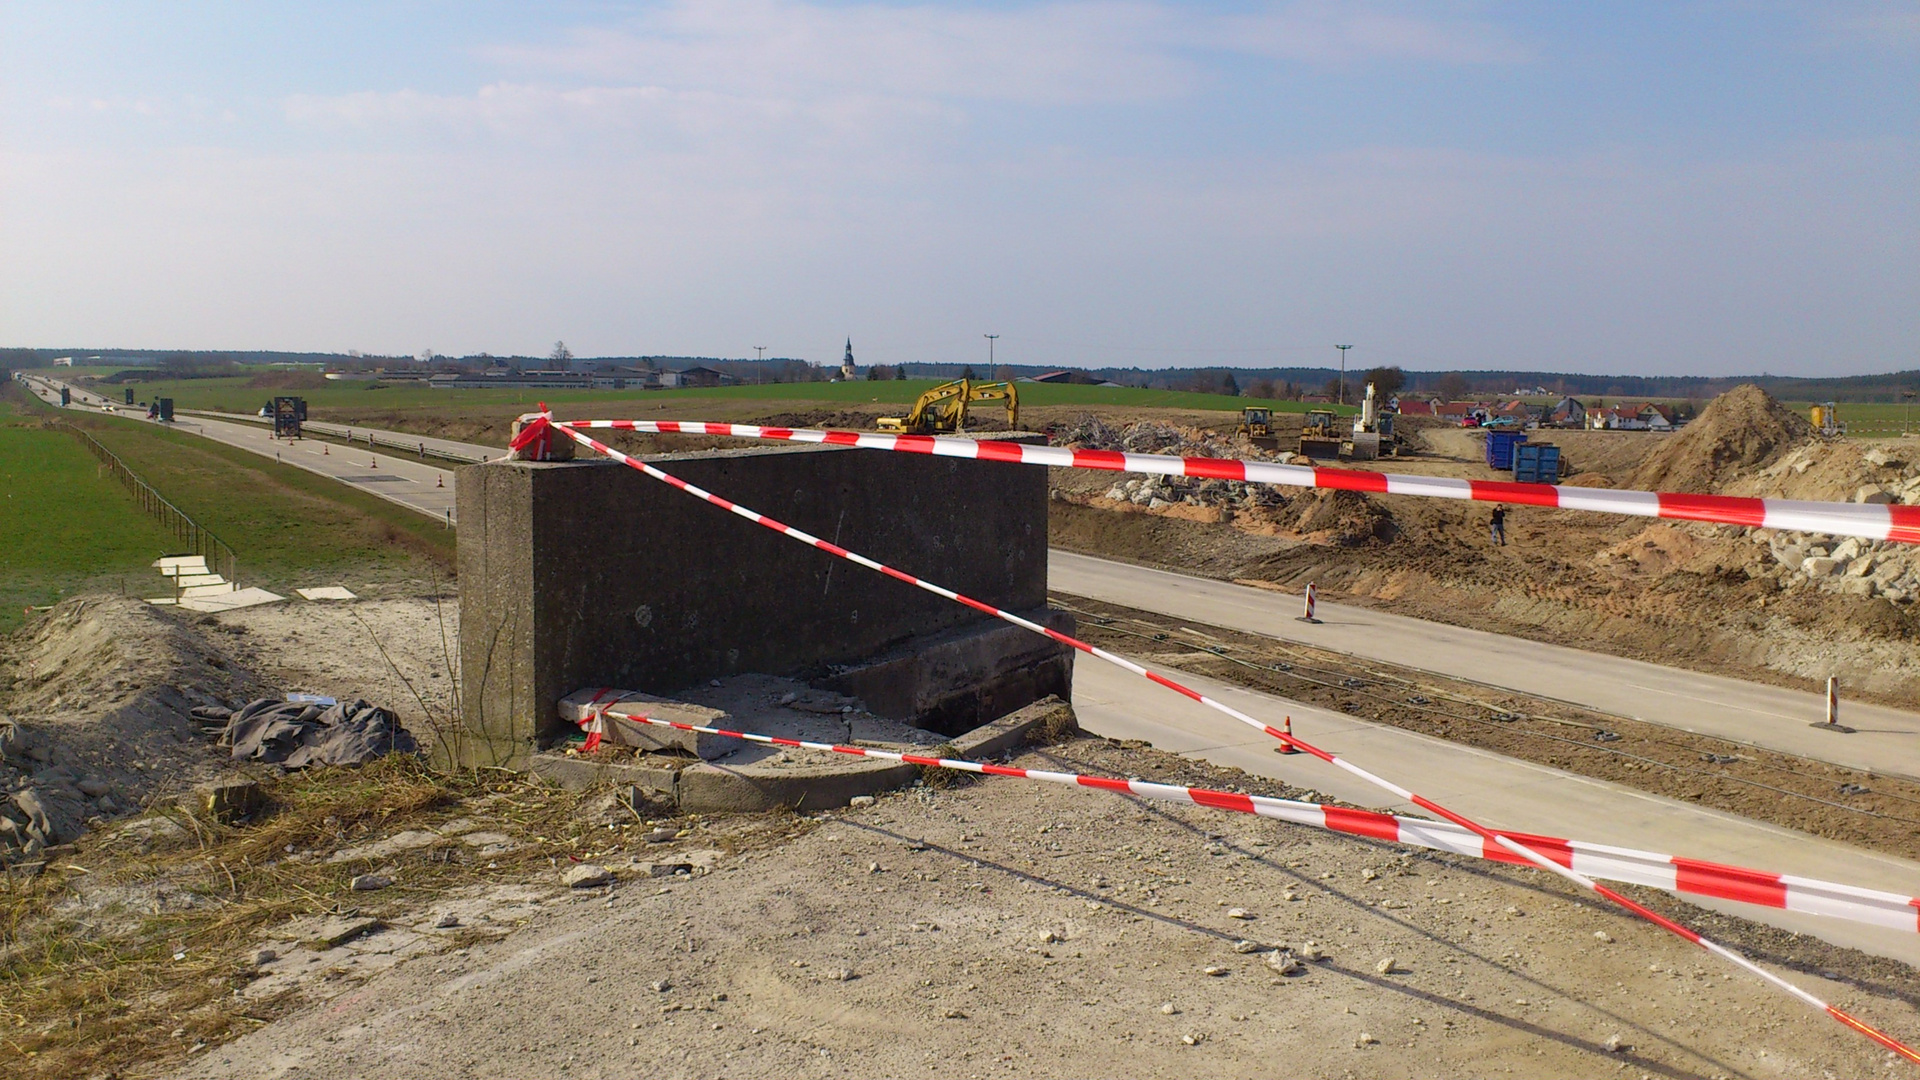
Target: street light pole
[990,340]
[1343,372]
[760,368]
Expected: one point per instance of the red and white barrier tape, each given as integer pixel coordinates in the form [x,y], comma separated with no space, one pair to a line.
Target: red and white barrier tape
[1874,522]
[1672,873]
[1504,841]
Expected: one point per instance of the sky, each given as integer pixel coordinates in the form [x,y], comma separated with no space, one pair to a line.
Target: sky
[1706,188]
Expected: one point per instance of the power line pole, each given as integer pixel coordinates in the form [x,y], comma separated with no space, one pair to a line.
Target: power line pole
[990,340]
[1343,372]
[760,368]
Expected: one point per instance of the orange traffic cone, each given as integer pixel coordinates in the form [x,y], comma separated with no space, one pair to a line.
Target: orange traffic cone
[440,481]
[373,463]
[1288,747]
[324,451]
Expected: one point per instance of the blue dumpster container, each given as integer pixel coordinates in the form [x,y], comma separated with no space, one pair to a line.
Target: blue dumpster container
[1536,463]
[1500,446]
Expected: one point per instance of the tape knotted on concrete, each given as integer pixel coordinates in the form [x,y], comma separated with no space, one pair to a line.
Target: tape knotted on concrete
[533,439]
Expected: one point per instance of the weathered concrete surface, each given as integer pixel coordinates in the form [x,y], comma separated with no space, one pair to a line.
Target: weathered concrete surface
[703,787]
[588,573]
[955,681]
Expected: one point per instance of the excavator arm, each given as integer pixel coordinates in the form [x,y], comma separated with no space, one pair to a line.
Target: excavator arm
[943,409]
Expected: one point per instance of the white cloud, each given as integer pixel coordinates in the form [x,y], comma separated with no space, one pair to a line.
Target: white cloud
[1049,54]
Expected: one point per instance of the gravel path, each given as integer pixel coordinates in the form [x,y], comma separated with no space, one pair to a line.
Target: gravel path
[1006,929]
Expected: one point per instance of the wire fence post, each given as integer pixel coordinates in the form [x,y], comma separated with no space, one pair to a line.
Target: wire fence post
[218,554]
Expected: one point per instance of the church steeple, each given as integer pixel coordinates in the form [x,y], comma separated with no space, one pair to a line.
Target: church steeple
[846,364]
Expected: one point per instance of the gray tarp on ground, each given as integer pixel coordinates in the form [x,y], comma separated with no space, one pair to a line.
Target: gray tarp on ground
[297,733]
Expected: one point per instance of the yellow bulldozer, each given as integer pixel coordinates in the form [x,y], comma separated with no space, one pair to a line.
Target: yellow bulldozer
[1320,435]
[943,409]
[1256,423]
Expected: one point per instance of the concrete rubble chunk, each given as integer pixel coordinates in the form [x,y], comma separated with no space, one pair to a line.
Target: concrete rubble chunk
[588,876]
[620,704]
[370,882]
[1872,493]
[1819,567]
[1387,966]
[228,800]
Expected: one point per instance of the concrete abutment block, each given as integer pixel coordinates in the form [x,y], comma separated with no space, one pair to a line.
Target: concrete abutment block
[588,573]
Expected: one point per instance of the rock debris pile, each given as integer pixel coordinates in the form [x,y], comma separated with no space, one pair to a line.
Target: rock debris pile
[1854,567]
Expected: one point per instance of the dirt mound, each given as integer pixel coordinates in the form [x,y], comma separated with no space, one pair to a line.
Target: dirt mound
[1345,518]
[98,693]
[1741,429]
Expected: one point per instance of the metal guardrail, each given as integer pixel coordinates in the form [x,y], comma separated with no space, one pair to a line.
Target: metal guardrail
[197,540]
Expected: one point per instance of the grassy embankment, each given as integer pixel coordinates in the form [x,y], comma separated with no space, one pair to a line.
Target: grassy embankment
[66,527]
[288,527]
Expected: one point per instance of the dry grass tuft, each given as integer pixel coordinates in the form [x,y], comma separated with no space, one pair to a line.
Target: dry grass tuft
[121,956]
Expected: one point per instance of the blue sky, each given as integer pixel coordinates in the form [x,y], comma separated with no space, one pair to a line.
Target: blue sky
[1641,188]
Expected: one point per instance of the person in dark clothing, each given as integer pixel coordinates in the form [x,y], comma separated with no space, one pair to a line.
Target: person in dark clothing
[1499,528]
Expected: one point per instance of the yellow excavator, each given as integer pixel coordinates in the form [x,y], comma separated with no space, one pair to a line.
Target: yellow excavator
[943,409]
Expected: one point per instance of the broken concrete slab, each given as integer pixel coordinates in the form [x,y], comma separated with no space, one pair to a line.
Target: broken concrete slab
[326,592]
[618,705]
[229,601]
[820,782]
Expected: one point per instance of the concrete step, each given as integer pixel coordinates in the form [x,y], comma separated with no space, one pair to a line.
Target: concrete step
[207,590]
[171,565]
[189,580]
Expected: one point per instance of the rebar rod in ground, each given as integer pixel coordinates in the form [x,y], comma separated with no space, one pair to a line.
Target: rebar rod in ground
[1532,856]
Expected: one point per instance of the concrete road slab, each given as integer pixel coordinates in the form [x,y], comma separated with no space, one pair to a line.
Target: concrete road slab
[1887,739]
[1495,790]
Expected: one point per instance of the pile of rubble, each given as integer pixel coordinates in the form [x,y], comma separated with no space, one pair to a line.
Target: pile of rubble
[1160,492]
[1855,567]
[1878,475]
[1153,437]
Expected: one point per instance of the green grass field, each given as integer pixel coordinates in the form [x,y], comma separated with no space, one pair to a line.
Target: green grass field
[288,527]
[234,395]
[66,527]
